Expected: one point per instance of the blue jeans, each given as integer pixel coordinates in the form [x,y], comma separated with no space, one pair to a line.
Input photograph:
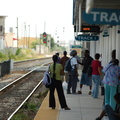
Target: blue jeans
[72,83]
[96,80]
[110,112]
[86,80]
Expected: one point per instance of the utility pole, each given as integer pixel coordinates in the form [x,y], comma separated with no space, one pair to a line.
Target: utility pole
[24,34]
[40,45]
[36,32]
[44,26]
[29,37]
[17,33]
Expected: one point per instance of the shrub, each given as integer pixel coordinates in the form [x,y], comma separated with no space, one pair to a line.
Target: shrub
[18,51]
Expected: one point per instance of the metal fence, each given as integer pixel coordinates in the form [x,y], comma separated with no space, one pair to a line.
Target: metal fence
[4,68]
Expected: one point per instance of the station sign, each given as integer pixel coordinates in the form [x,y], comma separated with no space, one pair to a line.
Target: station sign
[76,46]
[105,33]
[102,16]
[87,38]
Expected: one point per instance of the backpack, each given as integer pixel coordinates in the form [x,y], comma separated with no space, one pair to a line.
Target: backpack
[47,79]
[68,66]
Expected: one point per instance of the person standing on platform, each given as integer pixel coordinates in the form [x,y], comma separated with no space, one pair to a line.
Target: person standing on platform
[113,55]
[58,61]
[111,81]
[63,61]
[85,79]
[73,74]
[96,75]
[56,70]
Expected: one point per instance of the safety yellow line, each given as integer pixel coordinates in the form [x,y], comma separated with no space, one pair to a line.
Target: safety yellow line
[46,113]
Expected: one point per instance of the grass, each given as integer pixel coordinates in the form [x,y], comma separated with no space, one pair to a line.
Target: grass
[30,108]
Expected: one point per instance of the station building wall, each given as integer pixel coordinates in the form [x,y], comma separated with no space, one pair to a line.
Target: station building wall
[105,45]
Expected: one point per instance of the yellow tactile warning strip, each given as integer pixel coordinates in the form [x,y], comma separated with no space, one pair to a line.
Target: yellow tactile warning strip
[46,113]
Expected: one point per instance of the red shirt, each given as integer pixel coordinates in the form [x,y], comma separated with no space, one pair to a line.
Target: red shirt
[95,65]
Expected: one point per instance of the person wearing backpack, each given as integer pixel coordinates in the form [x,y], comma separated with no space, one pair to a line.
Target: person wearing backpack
[56,70]
[73,73]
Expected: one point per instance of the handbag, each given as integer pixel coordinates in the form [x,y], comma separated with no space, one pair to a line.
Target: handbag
[65,84]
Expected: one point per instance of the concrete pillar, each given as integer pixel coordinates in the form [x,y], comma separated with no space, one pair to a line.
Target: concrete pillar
[106,49]
[100,44]
[110,44]
[97,47]
[92,48]
[113,38]
[80,17]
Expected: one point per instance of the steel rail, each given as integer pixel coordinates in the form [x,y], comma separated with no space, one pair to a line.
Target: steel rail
[25,100]
[17,80]
[30,93]
[31,60]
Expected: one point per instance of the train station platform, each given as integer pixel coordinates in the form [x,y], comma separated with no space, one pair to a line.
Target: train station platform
[83,107]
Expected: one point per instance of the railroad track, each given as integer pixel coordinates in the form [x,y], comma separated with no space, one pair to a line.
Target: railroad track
[15,94]
[30,64]
[30,60]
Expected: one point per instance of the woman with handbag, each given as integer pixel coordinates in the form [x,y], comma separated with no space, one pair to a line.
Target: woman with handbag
[110,81]
[56,71]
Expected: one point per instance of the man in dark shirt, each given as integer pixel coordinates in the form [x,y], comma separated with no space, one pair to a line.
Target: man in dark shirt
[85,78]
[63,61]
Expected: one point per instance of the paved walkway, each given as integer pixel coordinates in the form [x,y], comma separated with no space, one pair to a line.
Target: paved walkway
[83,107]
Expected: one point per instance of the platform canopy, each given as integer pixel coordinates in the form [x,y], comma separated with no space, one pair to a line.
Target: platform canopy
[95,6]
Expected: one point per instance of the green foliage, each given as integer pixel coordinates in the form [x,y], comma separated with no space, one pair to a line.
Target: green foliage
[58,48]
[3,57]
[30,106]
[28,51]
[18,51]
[33,45]
[19,54]
[37,42]
[20,116]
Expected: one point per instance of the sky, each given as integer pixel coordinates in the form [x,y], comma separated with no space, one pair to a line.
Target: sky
[55,15]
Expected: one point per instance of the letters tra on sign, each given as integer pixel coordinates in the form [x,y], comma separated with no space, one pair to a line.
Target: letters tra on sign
[102,16]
